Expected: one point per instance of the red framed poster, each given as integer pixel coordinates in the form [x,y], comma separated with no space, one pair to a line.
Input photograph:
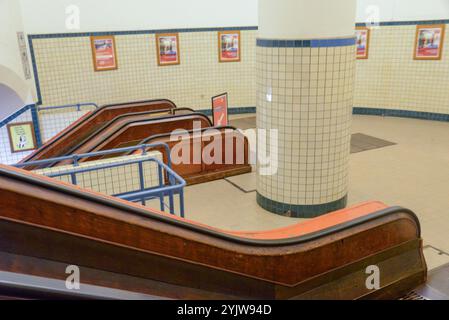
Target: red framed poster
[429,42]
[362,42]
[220,110]
[167,49]
[229,46]
[104,53]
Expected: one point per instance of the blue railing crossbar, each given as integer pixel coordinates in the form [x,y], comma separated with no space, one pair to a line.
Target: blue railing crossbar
[175,187]
[77,157]
[77,105]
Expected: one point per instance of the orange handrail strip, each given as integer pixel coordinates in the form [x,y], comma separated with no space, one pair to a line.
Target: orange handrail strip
[301,229]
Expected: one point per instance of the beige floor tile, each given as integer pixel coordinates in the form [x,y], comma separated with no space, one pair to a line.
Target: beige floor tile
[413,174]
[246,182]
[435,258]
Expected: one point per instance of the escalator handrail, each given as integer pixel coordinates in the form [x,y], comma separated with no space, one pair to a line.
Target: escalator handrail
[76,157]
[137,102]
[109,123]
[149,121]
[222,235]
[82,121]
[72,150]
[164,135]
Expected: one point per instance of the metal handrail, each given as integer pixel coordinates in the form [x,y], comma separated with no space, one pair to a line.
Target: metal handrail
[176,182]
[77,157]
[77,105]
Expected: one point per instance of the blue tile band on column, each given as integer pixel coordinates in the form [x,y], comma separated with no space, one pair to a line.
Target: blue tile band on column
[316,43]
[300,211]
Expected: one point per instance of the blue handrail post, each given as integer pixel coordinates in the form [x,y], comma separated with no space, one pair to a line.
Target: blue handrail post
[76,161]
[172,203]
[181,202]
[144,151]
[161,184]
[74,180]
[142,181]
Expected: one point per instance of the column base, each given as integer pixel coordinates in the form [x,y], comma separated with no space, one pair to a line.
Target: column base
[300,211]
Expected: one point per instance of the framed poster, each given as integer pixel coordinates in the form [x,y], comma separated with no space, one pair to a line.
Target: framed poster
[104,53]
[429,42]
[21,137]
[362,42]
[168,52]
[220,110]
[229,46]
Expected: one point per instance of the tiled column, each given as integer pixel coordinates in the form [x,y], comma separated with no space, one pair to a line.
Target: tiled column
[305,80]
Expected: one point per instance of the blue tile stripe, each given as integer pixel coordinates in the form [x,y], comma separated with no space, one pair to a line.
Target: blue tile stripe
[300,211]
[35,71]
[15,115]
[36,124]
[232,111]
[402,114]
[360,111]
[314,43]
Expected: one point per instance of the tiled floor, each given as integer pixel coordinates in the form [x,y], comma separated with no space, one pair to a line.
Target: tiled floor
[437,286]
[414,173]
[361,142]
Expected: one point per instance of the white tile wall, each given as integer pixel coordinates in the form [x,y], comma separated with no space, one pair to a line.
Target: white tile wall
[54,121]
[390,78]
[67,75]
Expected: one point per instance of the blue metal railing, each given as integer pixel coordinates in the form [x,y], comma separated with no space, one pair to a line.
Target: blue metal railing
[77,106]
[174,186]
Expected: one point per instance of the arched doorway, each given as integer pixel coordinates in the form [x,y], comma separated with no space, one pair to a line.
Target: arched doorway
[14,92]
[10,101]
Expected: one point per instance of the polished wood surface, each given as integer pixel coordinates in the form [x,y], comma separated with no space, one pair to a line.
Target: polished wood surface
[132,132]
[109,128]
[82,128]
[56,222]
[232,160]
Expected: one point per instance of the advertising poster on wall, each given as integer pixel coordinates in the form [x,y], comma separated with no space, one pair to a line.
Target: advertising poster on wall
[220,110]
[229,46]
[429,42]
[168,49]
[104,53]
[362,42]
[21,137]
